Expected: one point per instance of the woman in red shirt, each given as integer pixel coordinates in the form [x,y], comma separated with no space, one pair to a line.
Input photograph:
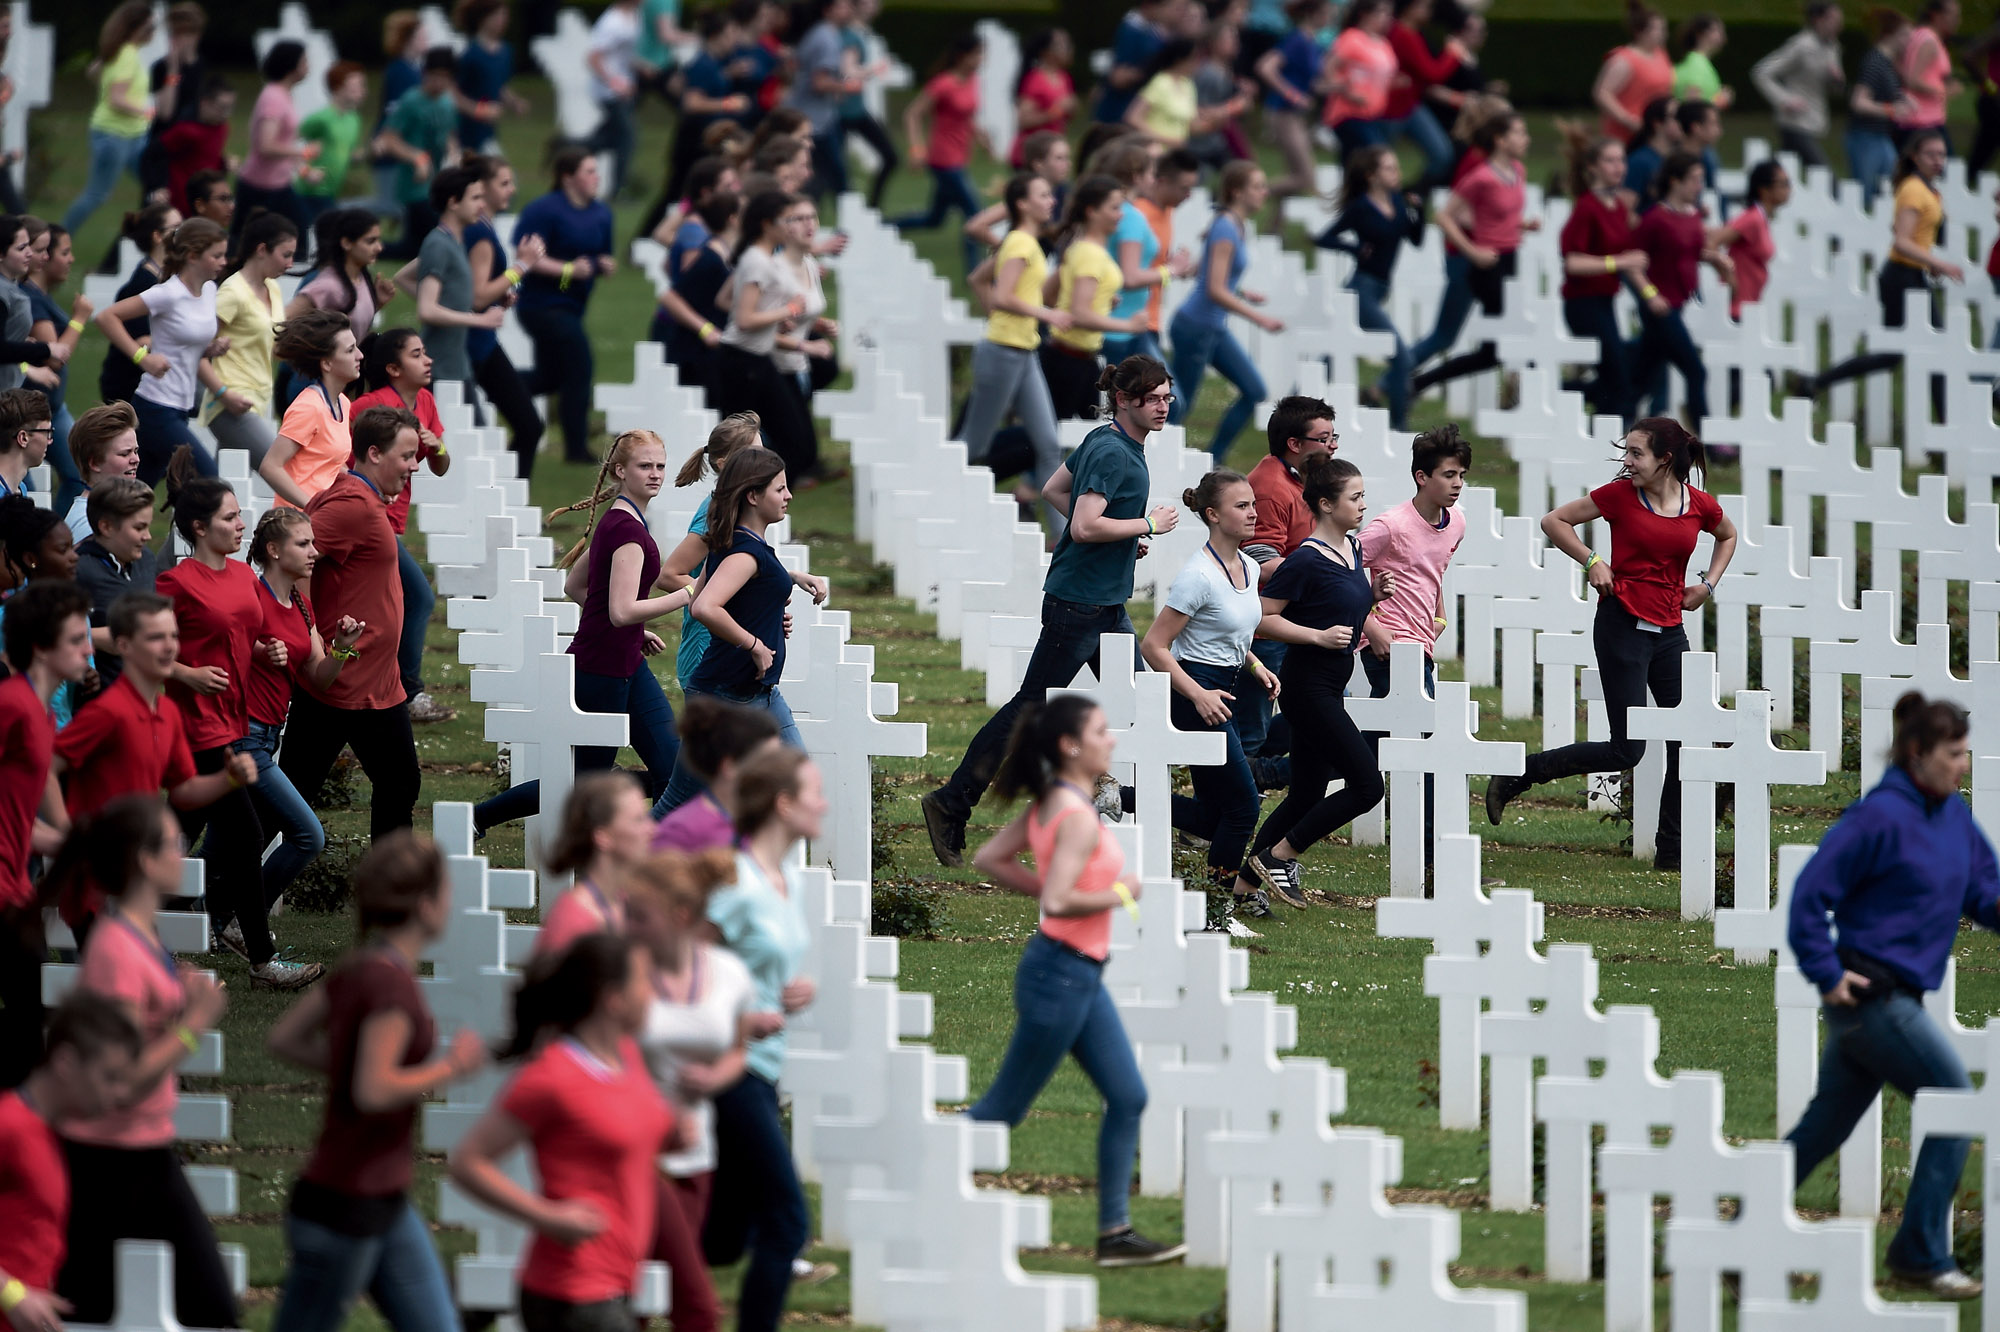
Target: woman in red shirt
[220,611]
[950,101]
[1482,224]
[1747,238]
[587,1107]
[1598,257]
[1677,243]
[1045,95]
[351,1225]
[1634,74]
[1655,518]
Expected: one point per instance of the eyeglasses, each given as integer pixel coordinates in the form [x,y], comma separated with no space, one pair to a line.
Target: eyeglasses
[1330,437]
[38,430]
[1159,400]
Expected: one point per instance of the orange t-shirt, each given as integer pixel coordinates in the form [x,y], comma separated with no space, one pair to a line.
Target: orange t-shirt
[1091,934]
[1162,223]
[1650,76]
[325,445]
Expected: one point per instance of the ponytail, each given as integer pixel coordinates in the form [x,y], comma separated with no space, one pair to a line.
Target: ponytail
[738,430]
[1034,750]
[563,989]
[194,498]
[1669,439]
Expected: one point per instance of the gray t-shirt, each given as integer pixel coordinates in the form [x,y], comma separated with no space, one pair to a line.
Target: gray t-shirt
[442,256]
[775,287]
[17,317]
[1222,617]
[819,53]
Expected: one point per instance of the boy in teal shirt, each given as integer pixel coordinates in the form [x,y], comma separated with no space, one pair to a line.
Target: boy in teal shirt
[421,132]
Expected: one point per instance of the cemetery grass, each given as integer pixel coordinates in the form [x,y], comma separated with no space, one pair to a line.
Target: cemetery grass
[1359,998]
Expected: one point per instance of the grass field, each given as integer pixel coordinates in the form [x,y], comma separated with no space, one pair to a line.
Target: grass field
[1359,998]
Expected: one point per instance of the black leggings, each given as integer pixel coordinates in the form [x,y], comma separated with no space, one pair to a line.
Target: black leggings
[508,392]
[23,949]
[1630,661]
[382,741]
[1987,141]
[1325,744]
[1895,285]
[870,131]
[748,382]
[234,855]
[121,1193]
[1072,381]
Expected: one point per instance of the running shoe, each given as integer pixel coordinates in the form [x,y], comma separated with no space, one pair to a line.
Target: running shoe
[1128,1248]
[279,975]
[1281,877]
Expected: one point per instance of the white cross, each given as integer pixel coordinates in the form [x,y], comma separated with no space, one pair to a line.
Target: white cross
[1406,712]
[1698,719]
[554,726]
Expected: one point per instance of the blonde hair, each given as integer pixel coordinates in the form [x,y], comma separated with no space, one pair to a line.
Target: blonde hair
[607,488]
[671,881]
[738,430]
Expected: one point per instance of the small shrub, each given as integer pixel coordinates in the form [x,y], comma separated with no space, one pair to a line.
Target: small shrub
[337,791]
[907,911]
[326,886]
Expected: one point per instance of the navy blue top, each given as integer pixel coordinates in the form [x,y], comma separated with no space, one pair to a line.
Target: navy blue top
[398,77]
[41,305]
[570,233]
[1372,236]
[1135,44]
[482,75]
[480,342]
[1896,872]
[759,606]
[1322,593]
[1299,59]
[690,235]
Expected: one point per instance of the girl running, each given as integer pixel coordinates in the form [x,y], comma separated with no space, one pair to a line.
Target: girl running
[1200,330]
[1677,243]
[1088,283]
[248,308]
[1374,221]
[315,440]
[607,823]
[685,561]
[1598,257]
[949,101]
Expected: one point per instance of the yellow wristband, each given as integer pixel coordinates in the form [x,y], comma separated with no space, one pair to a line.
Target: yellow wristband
[1150,529]
[1595,558]
[1649,291]
[513,275]
[12,1294]
[76,326]
[140,354]
[1610,264]
[1125,896]
[568,269]
[1165,277]
[184,1033]
[707,327]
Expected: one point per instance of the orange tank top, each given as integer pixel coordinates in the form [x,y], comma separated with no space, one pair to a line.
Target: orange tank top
[1650,75]
[1091,934]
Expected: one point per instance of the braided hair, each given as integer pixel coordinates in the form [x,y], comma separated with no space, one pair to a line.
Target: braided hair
[607,487]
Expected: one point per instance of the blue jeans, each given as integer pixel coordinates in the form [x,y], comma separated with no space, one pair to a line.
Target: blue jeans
[1253,706]
[281,807]
[1453,311]
[1889,1040]
[617,133]
[399,1269]
[685,784]
[1370,293]
[1225,802]
[1061,1007]
[1870,159]
[1421,128]
[563,367]
[1068,643]
[111,156]
[162,430]
[756,1203]
[951,187]
[1197,347]
[418,599]
[69,481]
[1123,345]
[641,699]
[1377,669]
[1596,317]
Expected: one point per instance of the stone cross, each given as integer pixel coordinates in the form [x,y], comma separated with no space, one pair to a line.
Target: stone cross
[1698,719]
[554,726]
[144,1280]
[1406,712]
[1451,754]
[845,739]
[1967,1114]
[30,67]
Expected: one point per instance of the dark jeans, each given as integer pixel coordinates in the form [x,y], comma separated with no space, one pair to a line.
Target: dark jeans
[1889,1039]
[1072,380]
[641,699]
[504,388]
[1371,296]
[23,949]
[1225,802]
[418,599]
[1062,1008]
[162,430]
[1902,289]
[1810,150]
[1596,318]
[1070,631]
[829,160]
[381,740]
[757,1204]
[1325,744]
[617,133]
[1377,670]
[1465,282]
[747,382]
[872,132]
[540,1313]
[69,481]
[233,851]
[563,367]
[1664,341]
[1261,734]
[119,1193]
[1630,661]
[1421,128]
[951,187]
[1987,141]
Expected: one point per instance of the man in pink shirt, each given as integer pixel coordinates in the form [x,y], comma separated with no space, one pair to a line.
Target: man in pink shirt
[1415,542]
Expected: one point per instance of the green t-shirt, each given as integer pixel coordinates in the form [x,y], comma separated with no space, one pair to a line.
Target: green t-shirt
[426,123]
[651,49]
[336,132]
[124,68]
[1110,463]
[1695,77]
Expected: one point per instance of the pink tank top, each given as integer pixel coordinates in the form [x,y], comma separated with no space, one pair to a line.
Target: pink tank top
[1925,58]
[1091,934]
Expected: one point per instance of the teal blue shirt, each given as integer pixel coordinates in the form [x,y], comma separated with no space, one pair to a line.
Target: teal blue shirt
[767,929]
[1099,573]
[1133,226]
[694,634]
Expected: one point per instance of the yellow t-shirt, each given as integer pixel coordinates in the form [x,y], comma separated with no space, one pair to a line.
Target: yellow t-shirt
[1087,259]
[1170,106]
[124,68]
[1914,194]
[251,329]
[1013,330]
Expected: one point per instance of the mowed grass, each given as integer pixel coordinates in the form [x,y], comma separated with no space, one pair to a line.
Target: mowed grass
[1359,998]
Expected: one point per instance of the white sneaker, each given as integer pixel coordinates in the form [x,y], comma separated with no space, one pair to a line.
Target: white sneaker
[1110,800]
[1950,1284]
[276,975]
[424,710]
[232,939]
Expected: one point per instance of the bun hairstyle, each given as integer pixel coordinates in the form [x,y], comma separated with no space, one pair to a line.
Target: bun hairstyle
[563,989]
[393,879]
[1668,438]
[191,238]
[673,882]
[1034,750]
[144,226]
[1208,495]
[1326,480]
[194,498]
[592,803]
[1922,724]
[738,430]
[1133,377]
[1582,151]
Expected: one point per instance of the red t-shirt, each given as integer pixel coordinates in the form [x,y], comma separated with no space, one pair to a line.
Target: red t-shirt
[597,1132]
[1414,59]
[1496,205]
[27,743]
[118,744]
[1046,90]
[122,964]
[220,613]
[269,690]
[1595,227]
[580,911]
[366,1154]
[1283,520]
[954,102]
[193,146]
[1751,252]
[427,417]
[1649,551]
[356,575]
[1672,242]
[34,1195]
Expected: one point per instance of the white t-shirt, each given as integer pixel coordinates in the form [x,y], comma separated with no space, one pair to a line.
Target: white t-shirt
[696,1033]
[615,39]
[775,286]
[183,325]
[792,362]
[1222,617]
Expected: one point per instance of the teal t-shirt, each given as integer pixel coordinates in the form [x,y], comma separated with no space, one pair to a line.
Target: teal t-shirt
[1099,573]
[426,123]
[651,49]
[694,634]
[1133,226]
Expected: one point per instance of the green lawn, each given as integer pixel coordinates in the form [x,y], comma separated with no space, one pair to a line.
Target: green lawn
[1359,998]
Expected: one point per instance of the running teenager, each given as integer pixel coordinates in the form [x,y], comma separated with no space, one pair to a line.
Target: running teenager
[1599,258]
[1378,217]
[1086,287]
[1656,517]
[717,738]
[315,439]
[248,308]
[1677,242]
[1200,329]
[606,825]
[686,560]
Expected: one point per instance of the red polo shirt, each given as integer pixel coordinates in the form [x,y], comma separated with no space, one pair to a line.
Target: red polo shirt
[1283,520]
[118,745]
[27,742]
[357,575]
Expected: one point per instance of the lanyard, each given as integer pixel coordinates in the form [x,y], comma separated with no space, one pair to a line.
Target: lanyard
[1649,503]
[694,980]
[633,503]
[592,1065]
[1225,568]
[153,948]
[612,919]
[366,482]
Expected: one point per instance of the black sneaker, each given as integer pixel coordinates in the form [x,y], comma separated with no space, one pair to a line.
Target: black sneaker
[1667,859]
[1499,791]
[947,833]
[1254,905]
[1128,1248]
[1281,877]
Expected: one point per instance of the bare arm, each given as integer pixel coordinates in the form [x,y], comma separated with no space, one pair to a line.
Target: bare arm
[1087,522]
[625,606]
[1081,293]
[1611,81]
[914,115]
[1278,629]
[1000,858]
[1906,245]
[679,565]
[283,449]
[381,1080]
[1220,255]
[748,317]
[299,1035]
[988,226]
